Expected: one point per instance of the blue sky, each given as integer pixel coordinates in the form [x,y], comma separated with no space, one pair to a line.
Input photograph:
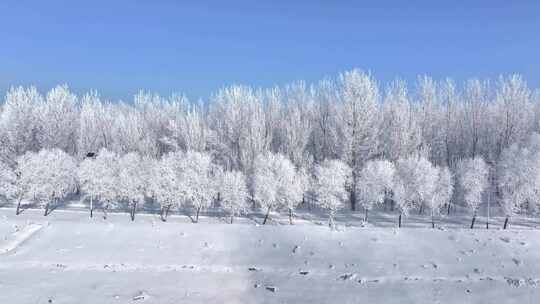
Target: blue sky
[119,47]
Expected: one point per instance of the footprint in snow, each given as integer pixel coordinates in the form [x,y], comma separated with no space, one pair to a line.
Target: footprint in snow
[432,265]
[477,270]
[271,288]
[516,261]
[505,239]
[347,276]
[141,295]
[296,249]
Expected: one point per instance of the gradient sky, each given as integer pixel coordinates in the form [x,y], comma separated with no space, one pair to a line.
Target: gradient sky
[118,47]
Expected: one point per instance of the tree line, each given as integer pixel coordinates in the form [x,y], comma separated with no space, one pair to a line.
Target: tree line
[360,144]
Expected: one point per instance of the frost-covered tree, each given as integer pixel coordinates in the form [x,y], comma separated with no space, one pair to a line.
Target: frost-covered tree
[332,178]
[58,117]
[19,122]
[233,193]
[359,94]
[415,184]
[169,184]
[472,176]
[99,179]
[326,133]
[275,184]
[442,193]
[201,180]
[239,119]
[47,176]
[95,124]
[513,111]
[164,186]
[188,130]
[375,183]
[519,177]
[8,182]
[132,186]
[399,132]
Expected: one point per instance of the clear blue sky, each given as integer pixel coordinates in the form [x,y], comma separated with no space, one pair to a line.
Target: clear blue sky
[119,46]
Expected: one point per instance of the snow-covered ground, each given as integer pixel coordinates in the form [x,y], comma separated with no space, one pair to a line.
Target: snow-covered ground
[74,259]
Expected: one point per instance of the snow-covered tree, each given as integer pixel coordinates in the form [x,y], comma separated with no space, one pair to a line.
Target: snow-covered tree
[519,177]
[375,184]
[132,186]
[472,176]
[332,178]
[19,119]
[95,124]
[442,193]
[233,193]
[169,184]
[58,117]
[201,180]
[164,187]
[99,179]
[415,184]
[399,132]
[359,94]
[47,176]
[275,184]
[8,182]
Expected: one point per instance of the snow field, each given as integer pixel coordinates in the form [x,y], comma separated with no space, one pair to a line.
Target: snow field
[119,261]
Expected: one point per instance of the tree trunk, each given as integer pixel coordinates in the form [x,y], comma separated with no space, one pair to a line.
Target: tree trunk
[506,222]
[197,216]
[421,211]
[17,212]
[162,214]
[331,223]
[432,221]
[133,211]
[473,220]
[366,215]
[399,220]
[105,211]
[290,216]
[91,207]
[353,200]
[266,216]
[167,211]
[448,211]
[46,209]
[232,218]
